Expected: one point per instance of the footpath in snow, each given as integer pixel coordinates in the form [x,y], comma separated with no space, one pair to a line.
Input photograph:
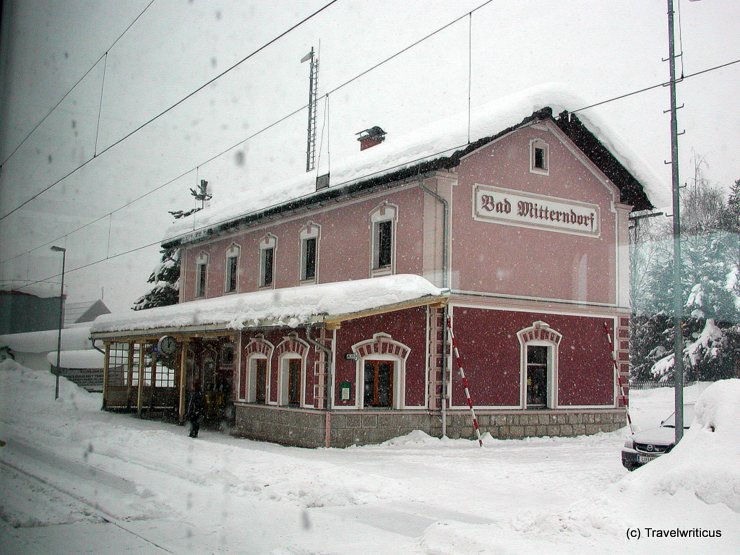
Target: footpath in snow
[78,480]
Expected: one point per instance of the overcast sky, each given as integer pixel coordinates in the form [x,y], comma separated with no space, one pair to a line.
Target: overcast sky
[598,49]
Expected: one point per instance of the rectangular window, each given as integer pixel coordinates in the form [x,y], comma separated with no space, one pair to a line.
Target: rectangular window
[539,158]
[201,280]
[308,265]
[232,263]
[268,256]
[260,380]
[536,376]
[378,383]
[294,382]
[383,244]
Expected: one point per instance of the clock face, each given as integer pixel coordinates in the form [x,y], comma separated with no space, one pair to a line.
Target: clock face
[167,345]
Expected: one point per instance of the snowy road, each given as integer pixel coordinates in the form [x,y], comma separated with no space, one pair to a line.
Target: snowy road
[78,480]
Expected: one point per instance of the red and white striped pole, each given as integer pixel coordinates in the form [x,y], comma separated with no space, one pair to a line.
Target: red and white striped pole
[619,377]
[464,380]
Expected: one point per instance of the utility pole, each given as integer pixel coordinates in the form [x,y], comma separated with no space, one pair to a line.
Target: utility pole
[677,289]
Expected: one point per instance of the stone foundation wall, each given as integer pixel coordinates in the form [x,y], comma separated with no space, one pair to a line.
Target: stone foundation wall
[517,425]
[297,427]
[307,427]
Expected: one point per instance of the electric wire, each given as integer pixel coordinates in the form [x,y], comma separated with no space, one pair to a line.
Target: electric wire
[242,141]
[325,96]
[293,113]
[169,109]
[354,179]
[53,108]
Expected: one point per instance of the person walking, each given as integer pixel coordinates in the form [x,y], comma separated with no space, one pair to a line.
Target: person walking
[195,409]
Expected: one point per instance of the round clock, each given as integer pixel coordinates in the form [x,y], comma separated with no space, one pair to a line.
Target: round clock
[167,345]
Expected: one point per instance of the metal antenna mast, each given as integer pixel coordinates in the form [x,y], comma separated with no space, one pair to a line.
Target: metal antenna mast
[313,85]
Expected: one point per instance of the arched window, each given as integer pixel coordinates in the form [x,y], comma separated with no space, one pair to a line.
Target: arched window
[201,274]
[381,372]
[268,248]
[310,235]
[383,223]
[254,379]
[292,353]
[231,282]
[539,366]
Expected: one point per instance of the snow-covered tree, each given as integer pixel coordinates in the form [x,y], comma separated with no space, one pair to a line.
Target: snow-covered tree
[709,286]
[166,276]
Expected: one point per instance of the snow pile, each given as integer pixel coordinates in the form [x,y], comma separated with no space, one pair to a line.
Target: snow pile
[701,463]
[430,142]
[292,306]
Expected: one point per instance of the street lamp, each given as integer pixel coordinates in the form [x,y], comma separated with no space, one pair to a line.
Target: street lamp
[61,318]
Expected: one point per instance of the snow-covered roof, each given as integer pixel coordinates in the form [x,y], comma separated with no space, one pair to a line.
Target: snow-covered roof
[42,290]
[292,306]
[76,338]
[432,142]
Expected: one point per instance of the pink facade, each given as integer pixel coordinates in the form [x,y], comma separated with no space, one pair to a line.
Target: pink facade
[344,251]
[529,262]
[526,232]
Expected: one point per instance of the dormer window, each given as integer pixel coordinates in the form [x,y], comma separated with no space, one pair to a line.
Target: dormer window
[539,157]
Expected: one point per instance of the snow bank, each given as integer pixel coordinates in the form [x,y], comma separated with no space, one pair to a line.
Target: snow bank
[292,306]
[704,463]
[430,142]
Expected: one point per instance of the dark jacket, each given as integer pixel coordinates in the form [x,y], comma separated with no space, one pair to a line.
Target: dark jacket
[195,406]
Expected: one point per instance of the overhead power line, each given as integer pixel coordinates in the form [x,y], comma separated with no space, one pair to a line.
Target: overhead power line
[169,109]
[298,110]
[53,108]
[366,176]
[294,112]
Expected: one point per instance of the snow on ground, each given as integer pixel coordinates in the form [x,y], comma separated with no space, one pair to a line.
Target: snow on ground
[76,479]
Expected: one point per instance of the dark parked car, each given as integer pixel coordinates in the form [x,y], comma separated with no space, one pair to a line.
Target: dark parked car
[643,447]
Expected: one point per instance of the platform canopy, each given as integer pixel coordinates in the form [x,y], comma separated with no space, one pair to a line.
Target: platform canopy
[328,304]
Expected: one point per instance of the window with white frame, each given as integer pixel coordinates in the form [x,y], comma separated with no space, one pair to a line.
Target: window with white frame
[539,366]
[268,246]
[381,373]
[232,268]
[201,275]
[383,225]
[310,252]
[539,157]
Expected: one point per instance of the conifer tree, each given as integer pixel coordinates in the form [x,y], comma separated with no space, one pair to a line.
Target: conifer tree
[166,276]
[710,260]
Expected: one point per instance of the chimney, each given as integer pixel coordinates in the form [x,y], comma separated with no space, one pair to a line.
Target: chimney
[370,137]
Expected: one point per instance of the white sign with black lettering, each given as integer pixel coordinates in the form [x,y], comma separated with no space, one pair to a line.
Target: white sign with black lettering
[508,207]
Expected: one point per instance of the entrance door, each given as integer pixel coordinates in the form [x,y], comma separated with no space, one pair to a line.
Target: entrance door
[379,383]
[536,377]
[294,382]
